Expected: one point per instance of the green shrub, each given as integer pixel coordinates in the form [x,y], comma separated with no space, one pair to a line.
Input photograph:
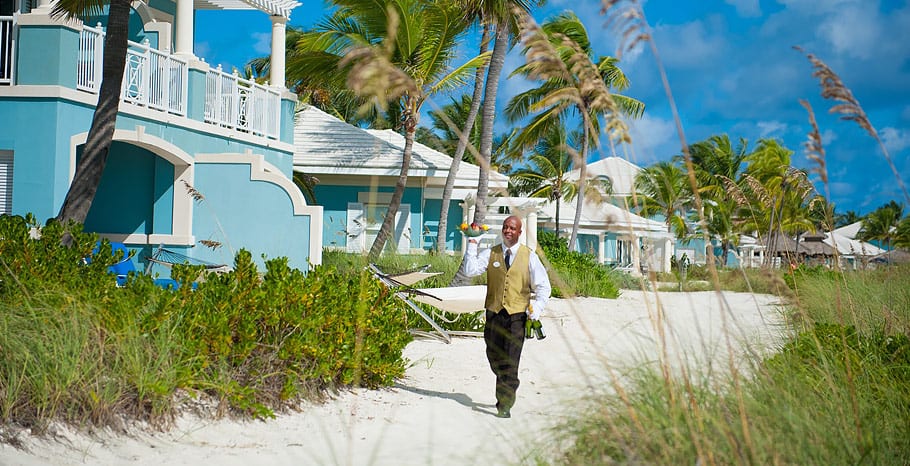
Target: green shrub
[78,348]
[573,273]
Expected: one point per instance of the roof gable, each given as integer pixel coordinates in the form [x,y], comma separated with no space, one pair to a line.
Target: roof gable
[620,171]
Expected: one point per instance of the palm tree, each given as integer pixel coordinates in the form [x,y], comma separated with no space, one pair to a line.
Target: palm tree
[545,174]
[780,194]
[466,129]
[902,234]
[449,122]
[569,94]
[502,14]
[452,116]
[847,218]
[663,189]
[718,171]
[881,224]
[361,45]
[91,165]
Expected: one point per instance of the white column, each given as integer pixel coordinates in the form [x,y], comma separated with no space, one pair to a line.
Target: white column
[636,256]
[600,247]
[276,75]
[44,4]
[184,35]
[532,230]
[668,253]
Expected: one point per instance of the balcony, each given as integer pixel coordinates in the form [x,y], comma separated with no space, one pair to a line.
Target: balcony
[161,82]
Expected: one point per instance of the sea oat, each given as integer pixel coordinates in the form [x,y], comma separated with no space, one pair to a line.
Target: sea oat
[815,151]
[833,88]
[627,18]
[734,191]
[372,73]
[196,195]
[210,244]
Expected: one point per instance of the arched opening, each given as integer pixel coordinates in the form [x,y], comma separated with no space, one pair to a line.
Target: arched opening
[136,193]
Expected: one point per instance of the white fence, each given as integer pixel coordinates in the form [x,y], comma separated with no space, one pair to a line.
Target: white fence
[151,78]
[7,49]
[241,104]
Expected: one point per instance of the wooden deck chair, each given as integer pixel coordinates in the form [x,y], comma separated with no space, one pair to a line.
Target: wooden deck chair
[455,299]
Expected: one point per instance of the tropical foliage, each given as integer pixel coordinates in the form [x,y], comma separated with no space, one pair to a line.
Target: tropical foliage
[399,52]
[574,89]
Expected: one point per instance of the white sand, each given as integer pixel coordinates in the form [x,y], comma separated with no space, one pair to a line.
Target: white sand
[441,413]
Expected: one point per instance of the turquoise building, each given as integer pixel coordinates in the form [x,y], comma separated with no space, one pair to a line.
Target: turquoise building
[202,160]
[357,171]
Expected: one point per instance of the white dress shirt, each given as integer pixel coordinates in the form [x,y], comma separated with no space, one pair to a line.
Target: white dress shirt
[475,263]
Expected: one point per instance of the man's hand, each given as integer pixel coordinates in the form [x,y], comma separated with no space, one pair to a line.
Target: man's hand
[533,315]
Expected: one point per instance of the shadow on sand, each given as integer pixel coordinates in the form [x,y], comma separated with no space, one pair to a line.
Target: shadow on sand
[459,398]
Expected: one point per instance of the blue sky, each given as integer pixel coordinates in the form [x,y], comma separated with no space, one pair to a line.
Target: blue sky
[732,70]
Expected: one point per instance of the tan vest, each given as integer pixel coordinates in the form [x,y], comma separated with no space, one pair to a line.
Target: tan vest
[509,290]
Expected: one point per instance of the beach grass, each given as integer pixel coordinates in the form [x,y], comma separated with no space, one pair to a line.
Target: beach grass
[835,393]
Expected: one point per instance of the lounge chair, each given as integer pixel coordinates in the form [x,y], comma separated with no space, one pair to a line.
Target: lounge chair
[455,299]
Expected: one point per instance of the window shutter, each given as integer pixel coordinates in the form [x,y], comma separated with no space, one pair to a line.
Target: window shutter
[6,182]
[355,227]
[403,228]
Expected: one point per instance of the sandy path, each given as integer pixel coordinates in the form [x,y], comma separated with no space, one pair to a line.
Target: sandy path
[441,413]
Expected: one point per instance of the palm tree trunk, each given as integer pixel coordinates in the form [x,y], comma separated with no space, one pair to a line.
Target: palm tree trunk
[462,145]
[90,168]
[388,223]
[557,215]
[582,175]
[497,60]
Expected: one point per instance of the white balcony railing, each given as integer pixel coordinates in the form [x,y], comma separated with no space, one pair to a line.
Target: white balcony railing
[241,104]
[151,78]
[6,49]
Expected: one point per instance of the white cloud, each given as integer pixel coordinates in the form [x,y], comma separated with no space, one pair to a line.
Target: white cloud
[653,138]
[842,188]
[262,43]
[828,136]
[690,45]
[853,31]
[202,49]
[895,139]
[771,128]
[746,8]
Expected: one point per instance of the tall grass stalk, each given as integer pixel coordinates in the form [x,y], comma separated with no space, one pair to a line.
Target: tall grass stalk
[802,405]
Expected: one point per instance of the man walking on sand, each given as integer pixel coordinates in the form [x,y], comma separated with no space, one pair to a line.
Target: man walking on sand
[514,272]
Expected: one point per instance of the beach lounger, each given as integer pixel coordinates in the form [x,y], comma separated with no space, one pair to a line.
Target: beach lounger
[455,299]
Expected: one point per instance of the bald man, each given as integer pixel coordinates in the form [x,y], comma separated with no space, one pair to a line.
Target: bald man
[517,289]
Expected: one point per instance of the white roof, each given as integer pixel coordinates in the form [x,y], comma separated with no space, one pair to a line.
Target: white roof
[272,7]
[324,144]
[851,230]
[603,217]
[466,171]
[620,171]
[851,247]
